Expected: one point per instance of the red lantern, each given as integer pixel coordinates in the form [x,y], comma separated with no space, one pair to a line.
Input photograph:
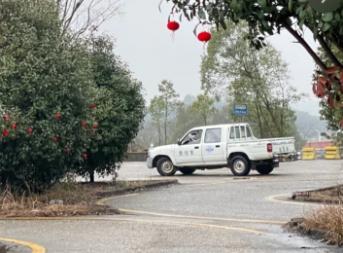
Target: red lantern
[5,133]
[58,115]
[173,25]
[204,36]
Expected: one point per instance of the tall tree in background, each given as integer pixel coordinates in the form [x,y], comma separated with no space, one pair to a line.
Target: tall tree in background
[257,78]
[204,107]
[170,103]
[156,112]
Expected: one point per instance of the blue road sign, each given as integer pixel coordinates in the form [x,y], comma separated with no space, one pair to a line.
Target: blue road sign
[240,110]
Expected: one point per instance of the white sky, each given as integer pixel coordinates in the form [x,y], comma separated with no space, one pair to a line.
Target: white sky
[146,45]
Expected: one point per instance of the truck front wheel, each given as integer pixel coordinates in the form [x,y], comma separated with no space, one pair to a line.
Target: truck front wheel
[240,166]
[165,167]
[264,169]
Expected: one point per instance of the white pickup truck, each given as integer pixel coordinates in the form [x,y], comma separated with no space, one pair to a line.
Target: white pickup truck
[216,146]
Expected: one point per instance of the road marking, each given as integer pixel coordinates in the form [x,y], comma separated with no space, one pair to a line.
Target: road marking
[38,249]
[35,248]
[130,211]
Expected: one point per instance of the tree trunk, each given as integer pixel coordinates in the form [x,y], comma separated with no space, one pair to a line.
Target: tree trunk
[91,176]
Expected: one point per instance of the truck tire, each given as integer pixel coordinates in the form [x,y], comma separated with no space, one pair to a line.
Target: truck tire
[165,167]
[240,166]
[186,171]
[264,169]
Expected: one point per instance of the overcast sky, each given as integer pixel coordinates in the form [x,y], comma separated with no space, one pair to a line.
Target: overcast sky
[153,54]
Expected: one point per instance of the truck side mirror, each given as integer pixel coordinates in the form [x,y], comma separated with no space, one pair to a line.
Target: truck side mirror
[179,142]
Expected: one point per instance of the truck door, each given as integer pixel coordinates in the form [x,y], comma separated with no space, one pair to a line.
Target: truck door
[188,152]
[213,147]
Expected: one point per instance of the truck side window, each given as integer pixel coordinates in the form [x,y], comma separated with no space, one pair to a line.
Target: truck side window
[213,135]
[232,133]
[237,132]
[248,132]
[193,137]
[243,132]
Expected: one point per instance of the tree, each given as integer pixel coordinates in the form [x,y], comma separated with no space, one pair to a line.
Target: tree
[156,112]
[45,88]
[170,102]
[257,78]
[119,109]
[204,106]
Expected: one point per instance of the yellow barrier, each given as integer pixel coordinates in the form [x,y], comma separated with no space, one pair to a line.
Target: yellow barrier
[332,152]
[309,153]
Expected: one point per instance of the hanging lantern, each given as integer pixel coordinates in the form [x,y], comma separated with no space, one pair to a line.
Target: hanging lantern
[173,25]
[204,36]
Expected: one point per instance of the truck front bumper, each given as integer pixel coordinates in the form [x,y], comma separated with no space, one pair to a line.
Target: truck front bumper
[149,162]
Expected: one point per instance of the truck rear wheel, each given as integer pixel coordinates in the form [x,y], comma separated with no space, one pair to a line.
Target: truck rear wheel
[165,167]
[187,171]
[264,169]
[240,166]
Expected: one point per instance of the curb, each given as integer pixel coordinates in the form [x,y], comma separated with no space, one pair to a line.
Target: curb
[150,184]
[35,248]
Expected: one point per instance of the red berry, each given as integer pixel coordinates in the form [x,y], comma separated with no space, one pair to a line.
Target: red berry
[58,115]
[5,133]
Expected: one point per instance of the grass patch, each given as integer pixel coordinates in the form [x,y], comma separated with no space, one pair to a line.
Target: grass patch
[67,199]
[325,223]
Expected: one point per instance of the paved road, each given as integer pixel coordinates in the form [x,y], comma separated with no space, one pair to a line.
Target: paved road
[211,211]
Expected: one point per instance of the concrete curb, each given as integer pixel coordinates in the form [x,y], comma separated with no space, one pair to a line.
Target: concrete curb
[149,185]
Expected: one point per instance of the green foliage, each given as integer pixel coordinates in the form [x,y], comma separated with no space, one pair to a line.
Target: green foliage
[40,76]
[169,101]
[266,17]
[204,106]
[51,88]
[156,113]
[119,111]
[257,78]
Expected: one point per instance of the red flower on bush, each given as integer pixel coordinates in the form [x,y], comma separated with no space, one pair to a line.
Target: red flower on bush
[29,131]
[58,115]
[6,117]
[14,126]
[84,156]
[84,123]
[95,125]
[56,138]
[92,106]
[5,133]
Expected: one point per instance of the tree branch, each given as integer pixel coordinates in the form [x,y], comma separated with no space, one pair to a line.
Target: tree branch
[329,52]
[301,40]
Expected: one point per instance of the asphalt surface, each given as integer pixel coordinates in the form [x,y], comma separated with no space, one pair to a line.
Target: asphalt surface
[210,211]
